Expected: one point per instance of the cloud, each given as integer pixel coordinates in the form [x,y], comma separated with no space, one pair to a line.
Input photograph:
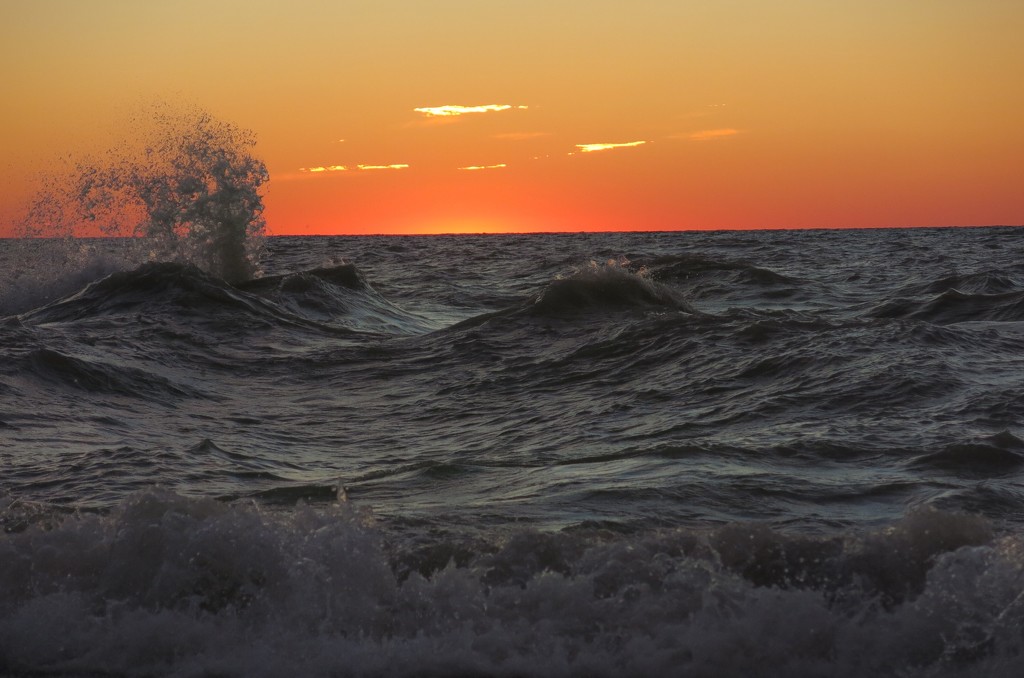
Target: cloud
[483,167]
[323,169]
[452,110]
[521,136]
[708,134]
[328,168]
[592,148]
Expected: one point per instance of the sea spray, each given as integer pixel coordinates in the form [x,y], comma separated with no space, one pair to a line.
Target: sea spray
[183,180]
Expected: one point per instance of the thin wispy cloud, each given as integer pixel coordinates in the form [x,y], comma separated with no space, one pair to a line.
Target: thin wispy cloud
[593,148]
[324,168]
[709,134]
[453,110]
[483,167]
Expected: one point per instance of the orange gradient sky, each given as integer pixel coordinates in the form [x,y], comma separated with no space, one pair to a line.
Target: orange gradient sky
[751,114]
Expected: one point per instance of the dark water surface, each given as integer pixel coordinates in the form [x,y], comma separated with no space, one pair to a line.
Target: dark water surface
[693,454]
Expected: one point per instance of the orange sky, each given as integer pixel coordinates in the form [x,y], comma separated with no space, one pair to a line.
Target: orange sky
[753,114]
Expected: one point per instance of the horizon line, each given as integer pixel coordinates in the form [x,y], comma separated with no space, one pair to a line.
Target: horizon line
[722,229]
[716,229]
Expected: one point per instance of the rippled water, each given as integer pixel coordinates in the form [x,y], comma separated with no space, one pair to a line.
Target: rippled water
[768,453]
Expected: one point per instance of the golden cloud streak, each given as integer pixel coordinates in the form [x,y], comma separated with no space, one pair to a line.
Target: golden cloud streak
[452,110]
[483,167]
[592,148]
[322,169]
[328,168]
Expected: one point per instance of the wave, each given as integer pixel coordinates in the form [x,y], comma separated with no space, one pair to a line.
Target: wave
[177,289]
[954,306]
[96,376]
[985,282]
[724,283]
[999,453]
[606,287]
[164,584]
[336,300]
[339,296]
[686,266]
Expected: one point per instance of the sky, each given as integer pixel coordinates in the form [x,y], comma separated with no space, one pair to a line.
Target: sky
[387,116]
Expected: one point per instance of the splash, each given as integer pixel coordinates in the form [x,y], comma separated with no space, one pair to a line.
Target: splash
[183,180]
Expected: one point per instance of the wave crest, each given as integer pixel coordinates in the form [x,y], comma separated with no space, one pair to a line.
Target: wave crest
[608,286]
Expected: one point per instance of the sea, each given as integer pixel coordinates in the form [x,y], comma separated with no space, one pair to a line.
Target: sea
[732,453]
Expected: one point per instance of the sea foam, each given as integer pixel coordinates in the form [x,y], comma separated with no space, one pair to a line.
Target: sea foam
[169,585]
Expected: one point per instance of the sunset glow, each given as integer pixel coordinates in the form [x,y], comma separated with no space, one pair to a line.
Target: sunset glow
[696,115]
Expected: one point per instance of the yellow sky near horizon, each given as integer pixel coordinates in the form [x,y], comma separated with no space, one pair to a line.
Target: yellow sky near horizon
[752,114]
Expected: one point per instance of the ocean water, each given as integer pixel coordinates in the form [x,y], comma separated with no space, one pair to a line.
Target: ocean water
[677,454]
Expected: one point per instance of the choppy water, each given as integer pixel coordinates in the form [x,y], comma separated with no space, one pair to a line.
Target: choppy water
[692,454]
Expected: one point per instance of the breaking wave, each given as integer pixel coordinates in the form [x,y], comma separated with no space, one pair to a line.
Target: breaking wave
[166,584]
